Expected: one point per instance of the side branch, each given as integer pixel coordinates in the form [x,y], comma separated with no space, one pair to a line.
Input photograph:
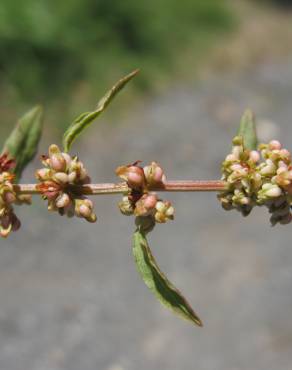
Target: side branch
[122,188]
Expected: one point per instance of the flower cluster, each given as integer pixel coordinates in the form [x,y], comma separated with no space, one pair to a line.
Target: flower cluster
[8,197]
[60,183]
[262,177]
[141,201]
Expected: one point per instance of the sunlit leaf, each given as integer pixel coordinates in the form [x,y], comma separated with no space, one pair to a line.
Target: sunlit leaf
[23,141]
[85,119]
[247,130]
[158,283]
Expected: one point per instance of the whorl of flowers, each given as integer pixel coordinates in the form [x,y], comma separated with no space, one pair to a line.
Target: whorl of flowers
[258,177]
[8,197]
[59,181]
[141,201]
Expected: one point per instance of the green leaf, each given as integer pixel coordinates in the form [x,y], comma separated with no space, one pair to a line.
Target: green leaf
[247,130]
[23,141]
[158,283]
[85,119]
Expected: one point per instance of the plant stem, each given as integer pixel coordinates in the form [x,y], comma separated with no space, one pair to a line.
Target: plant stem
[122,188]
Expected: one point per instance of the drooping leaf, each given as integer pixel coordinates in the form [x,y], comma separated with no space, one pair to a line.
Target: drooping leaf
[85,119]
[23,141]
[158,283]
[247,130]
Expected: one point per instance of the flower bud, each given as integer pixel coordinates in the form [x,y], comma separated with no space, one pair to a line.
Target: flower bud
[126,207]
[63,200]
[72,177]
[165,211]
[154,174]
[275,145]
[282,177]
[285,155]
[160,206]
[254,156]
[43,174]
[57,162]
[268,169]
[169,212]
[150,201]
[61,177]
[83,210]
[133,175]
[272,191]
[145,205]
[282,164]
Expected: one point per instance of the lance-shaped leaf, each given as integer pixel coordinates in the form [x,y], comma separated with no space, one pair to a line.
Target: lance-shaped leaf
[247,130]
[85,119]
[158,283]
[22,143]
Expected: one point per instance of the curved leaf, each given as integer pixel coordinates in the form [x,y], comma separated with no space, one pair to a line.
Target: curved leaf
[23,141]
[158,283]
[85,119]
[247,130]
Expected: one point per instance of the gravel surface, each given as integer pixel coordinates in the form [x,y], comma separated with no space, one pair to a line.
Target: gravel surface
[71,297]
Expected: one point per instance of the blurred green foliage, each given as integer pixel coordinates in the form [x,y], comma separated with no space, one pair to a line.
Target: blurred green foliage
[47,46]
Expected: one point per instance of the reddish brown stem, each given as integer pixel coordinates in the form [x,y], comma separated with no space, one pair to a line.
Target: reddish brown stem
[122,188]
[199,185]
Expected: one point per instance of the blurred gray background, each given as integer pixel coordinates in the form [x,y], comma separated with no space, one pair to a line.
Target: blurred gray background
[71,297]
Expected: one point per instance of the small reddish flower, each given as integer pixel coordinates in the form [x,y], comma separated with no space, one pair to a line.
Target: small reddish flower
[6,163]
[49,189]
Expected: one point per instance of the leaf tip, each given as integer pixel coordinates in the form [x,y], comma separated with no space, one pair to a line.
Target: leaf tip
[129,77]
[247,129]
[37,109]
[134,72]
[199,323]
[248,115]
